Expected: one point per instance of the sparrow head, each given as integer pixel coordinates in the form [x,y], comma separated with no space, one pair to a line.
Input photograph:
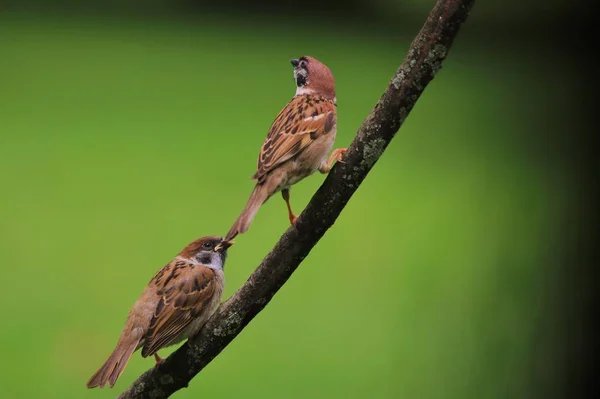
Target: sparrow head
[312,76]
[209,251]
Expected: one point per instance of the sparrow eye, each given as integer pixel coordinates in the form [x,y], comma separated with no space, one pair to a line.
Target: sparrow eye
[302,64]
[207,245]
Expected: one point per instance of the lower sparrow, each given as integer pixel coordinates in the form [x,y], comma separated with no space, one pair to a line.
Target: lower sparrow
[174,306]
[298,141]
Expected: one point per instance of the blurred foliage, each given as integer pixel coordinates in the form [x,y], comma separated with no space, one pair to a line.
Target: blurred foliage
[500,12]
[121,141]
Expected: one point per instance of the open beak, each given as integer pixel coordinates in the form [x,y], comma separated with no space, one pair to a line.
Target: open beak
[295,62]
[223,245]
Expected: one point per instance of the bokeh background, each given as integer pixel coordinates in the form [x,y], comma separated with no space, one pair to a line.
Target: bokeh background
[129,128]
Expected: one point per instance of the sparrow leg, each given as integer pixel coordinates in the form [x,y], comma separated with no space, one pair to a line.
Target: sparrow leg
[336,155]
[158,359]
[285,193]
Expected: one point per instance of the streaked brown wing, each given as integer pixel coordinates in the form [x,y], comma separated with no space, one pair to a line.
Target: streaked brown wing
[301,121]
[187,290]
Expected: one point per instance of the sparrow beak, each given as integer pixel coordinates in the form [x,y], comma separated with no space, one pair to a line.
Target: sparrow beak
[295,62]
[223,245]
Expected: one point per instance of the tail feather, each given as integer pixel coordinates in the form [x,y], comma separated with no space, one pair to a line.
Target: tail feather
[242,224]
[114,366]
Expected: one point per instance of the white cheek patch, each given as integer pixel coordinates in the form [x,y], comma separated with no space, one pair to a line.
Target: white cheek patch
[216,262]
[193,261]
[300,72]
[303,90]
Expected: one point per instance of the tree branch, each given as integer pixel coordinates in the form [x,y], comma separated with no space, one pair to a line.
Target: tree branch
[423,61]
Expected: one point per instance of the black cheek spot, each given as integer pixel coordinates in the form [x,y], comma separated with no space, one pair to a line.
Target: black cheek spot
[300,80]
[205,259]
[313,135]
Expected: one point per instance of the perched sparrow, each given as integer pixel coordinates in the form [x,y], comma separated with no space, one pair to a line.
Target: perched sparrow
[298,142]
[174,306]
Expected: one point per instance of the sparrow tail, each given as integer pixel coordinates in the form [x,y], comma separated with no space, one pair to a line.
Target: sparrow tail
[242,224]
[114,366]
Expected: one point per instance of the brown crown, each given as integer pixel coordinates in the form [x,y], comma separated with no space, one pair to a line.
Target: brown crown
[320,78]
[192,248]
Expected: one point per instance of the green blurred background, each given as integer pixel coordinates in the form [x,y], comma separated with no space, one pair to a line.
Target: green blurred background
[128,130]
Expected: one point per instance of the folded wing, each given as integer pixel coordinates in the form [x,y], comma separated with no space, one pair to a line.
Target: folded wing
[182,300]
[301,122]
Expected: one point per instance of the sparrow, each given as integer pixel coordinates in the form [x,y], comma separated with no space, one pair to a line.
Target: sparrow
[298,141]
[174,306]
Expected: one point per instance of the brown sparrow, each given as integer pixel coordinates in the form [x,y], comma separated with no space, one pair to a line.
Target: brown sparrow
[298,141]
[174,306]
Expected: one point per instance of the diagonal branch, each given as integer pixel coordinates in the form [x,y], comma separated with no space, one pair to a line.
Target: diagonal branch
[423,61]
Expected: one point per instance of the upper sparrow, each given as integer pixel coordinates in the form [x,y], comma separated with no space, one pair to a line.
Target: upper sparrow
[298,141]
[174,306]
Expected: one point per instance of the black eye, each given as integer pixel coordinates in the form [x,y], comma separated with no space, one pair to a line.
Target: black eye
[207,245]
[303,64]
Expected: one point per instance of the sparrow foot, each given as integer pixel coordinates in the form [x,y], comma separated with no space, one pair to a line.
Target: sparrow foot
[336,155]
